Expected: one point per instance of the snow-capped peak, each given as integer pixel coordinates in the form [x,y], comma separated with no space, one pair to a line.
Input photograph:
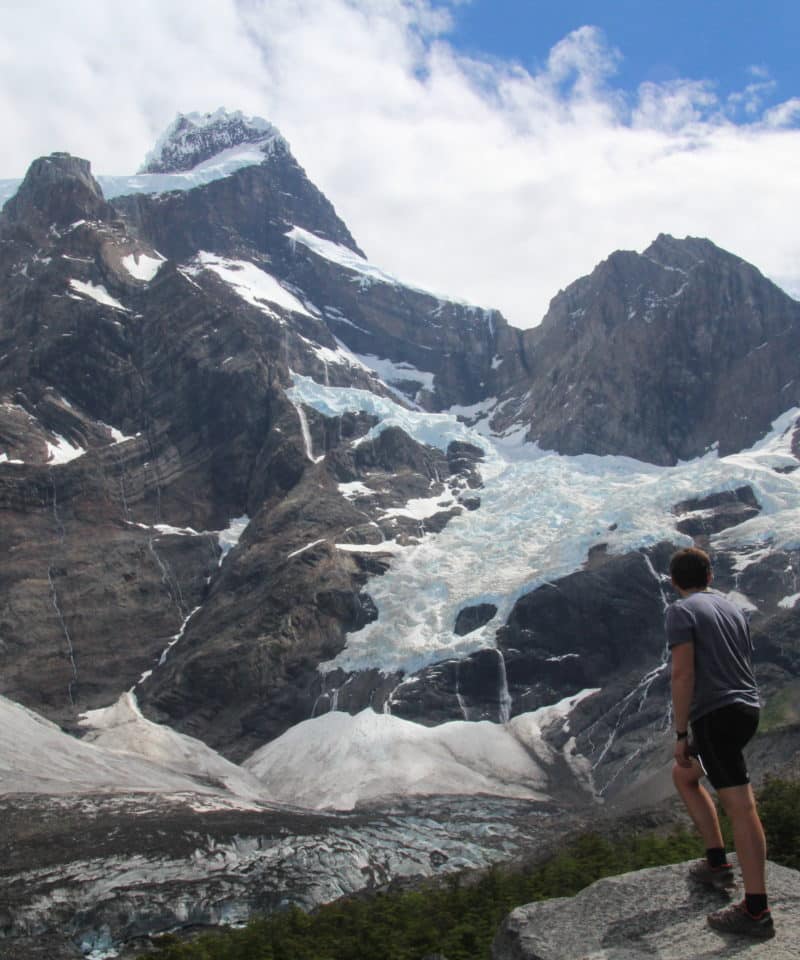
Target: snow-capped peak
[193,138]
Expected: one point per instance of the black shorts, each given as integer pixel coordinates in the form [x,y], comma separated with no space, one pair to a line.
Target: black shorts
[717,742]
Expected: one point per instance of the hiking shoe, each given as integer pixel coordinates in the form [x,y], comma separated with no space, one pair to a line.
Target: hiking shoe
[721,878]
[737,919]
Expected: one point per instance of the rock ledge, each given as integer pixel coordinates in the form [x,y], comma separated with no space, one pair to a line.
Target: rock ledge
[655,913]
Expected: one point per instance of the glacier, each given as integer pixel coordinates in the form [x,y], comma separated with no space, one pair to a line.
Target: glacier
[540,514]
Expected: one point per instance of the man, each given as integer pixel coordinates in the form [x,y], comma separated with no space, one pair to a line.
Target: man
[714,690]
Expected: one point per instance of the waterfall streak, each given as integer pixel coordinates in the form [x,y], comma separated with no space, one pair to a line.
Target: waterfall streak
[169,579]
[306,431]
[65,631]
[462,705]
[505,697]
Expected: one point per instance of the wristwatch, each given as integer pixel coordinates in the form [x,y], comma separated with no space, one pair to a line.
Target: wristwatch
[681,734]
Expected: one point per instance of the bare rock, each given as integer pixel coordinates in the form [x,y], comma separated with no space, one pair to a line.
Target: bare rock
[60,190]
[701,517]
[649,913]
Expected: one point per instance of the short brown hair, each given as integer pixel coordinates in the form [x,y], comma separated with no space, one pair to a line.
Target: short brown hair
[690,568]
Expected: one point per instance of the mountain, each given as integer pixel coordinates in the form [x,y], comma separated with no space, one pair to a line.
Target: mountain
[660,356]
[193,138]
[296,535]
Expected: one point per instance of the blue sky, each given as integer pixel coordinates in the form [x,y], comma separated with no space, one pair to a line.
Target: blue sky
[659,40]
[493,150]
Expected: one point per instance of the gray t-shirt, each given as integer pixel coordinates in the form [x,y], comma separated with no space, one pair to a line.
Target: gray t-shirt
[723,671]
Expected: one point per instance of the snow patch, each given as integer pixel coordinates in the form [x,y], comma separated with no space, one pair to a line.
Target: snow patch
[229,537]
[308,546]
[424,507]
[355,489]
[254,285]
[117,435]
[62,451]
[142,267]
[474,411]
[98,293]
[386,546]
[396,371]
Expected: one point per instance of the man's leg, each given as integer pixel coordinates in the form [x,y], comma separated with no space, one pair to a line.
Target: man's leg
[699,803]
[748,835]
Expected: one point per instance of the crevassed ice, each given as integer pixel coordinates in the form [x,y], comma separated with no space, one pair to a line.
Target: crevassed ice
[540,514]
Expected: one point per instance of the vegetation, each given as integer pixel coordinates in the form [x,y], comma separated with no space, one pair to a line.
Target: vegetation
[782,708]
[460,917]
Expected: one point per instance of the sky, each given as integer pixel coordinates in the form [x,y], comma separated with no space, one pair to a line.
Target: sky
[493,150]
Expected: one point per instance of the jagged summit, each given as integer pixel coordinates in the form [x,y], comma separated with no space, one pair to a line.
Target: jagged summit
[661,355]
[686,253]
[193,138]
[58,189]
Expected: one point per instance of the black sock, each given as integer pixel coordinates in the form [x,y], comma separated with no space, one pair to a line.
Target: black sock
[756,903]
[716,856]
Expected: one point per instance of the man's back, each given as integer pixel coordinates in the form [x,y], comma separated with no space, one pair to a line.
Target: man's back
[722,650]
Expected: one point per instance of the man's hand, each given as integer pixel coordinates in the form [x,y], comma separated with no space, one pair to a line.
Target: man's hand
[682,756]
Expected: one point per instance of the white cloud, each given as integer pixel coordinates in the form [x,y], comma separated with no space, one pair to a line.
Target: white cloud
[478,178]
[784,114]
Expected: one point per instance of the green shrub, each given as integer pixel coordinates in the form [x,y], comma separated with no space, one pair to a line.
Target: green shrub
[779,807]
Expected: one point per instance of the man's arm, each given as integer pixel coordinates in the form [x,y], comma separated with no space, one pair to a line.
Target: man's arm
[682,693]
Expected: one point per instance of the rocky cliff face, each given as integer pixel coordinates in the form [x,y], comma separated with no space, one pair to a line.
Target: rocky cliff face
[660,356]
[57,190]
